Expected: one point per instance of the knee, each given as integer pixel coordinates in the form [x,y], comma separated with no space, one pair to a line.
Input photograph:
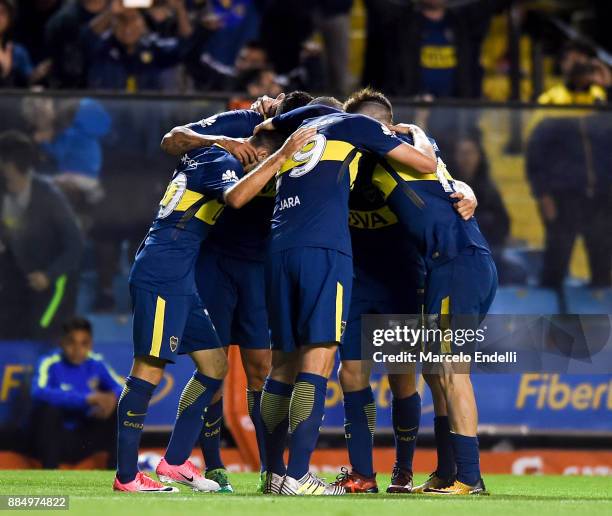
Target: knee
[256,376]
[402,385]
[353,377]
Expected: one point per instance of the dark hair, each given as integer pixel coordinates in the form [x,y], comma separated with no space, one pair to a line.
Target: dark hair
[295,99]
[17,148]
[327,101]
[255,45]
[75,324]
[576,46]
[367,95]
[270,140]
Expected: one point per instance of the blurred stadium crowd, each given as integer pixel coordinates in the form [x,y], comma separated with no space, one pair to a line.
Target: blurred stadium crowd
[82,172]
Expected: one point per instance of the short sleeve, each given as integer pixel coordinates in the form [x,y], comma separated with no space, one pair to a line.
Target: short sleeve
[368,134]
[290,121]
[220,175]
[233,124]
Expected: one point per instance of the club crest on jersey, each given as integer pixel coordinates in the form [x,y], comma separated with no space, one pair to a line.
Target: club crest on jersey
[174,341]
[229,176]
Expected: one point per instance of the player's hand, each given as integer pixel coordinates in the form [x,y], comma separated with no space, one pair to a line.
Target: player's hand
[241,149]
[266,125]
[297,140]
[466,206]
[401,128]
[103,404]
[38,281]
[266,106]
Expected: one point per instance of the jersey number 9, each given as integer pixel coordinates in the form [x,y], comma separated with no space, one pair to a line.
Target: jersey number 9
[172,197]
[308,159]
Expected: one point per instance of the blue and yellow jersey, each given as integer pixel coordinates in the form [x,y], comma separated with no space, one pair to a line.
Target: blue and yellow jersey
[233,124]
[240,233]
[424,208]
[312,188]
[380,245]
[190,207]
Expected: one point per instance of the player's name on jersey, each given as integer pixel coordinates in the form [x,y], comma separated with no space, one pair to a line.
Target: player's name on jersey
[430,357]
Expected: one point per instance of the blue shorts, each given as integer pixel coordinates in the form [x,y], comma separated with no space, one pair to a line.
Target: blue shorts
[378,296]
[459,293]
[234,292]
[166,326]
[309,292]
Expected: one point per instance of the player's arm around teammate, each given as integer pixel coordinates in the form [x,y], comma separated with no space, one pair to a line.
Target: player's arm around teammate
[251,184]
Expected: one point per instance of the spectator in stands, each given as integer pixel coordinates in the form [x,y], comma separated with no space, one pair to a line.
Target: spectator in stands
[67,58]
[75,149]
[15,64]
[125,56]
[333,20]
[230,25]
[169,19]
[586,80]
[285,25]
[75,397]
[426,47]
[469,163]
[41,233]
[569,167]
[209,74]
[32,18]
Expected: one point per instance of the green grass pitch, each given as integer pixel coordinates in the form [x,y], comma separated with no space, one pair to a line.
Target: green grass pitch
[90,493]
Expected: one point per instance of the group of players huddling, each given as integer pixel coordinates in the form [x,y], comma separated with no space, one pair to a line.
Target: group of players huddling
[281,226]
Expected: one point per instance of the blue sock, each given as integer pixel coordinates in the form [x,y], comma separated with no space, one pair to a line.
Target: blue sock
[254,407]
[446,457]
[305,417]
[275,400]
[359,426]
[131,411]
[467,458]
[406,416]
[210,436]
[195,398]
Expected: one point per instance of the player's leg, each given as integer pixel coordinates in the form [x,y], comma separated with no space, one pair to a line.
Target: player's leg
[472,285]
[405,417]
[251,332]
[324,279]
[274,409]
[257,364]
[156,320]
[306,412]
[359,424]
[444,475]
[219,294]
[277,389]
[201,342]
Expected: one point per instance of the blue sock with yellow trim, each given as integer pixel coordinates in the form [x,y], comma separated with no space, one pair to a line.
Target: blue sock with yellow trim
[131,411]
[196,396]
[274,408]
[359,426]
[210,436]
[254,408]
[467,457]
[406,417]
[306,412]
[444,447]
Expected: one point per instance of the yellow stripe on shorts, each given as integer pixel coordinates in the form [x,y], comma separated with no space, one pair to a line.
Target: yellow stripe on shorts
[158,327]
[339,304]
[445,316]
